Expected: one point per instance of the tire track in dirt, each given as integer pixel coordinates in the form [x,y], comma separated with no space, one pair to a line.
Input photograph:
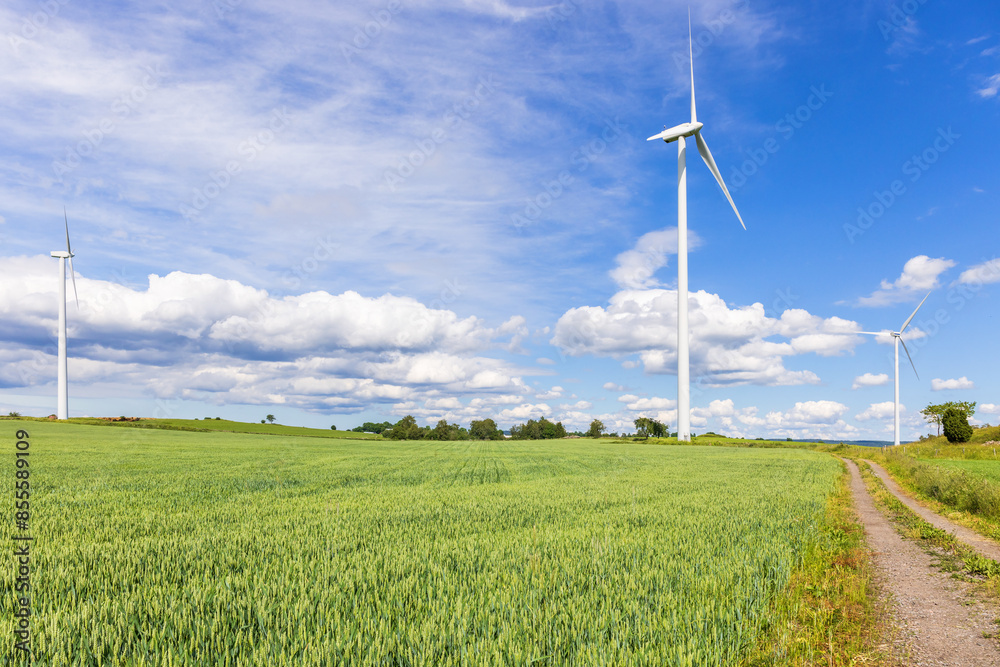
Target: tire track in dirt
[942,624]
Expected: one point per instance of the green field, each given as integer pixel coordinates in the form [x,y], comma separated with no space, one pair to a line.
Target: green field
[166,547]
[989,469]
[223,425]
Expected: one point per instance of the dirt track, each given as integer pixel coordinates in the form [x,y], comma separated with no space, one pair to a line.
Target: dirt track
[983,545]
[942,624]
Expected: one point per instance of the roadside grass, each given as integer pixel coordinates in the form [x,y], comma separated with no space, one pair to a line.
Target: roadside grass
[953,556]
[966,491]
[831,612]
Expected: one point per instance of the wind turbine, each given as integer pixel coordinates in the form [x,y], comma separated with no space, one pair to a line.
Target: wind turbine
[897,338]
[62,409]
[679,133]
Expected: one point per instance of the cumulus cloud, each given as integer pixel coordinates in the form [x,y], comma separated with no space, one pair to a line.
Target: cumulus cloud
[807,419]
[524,412]
[990,408]
[981,274]
[636,268]
[729,345]
[870,380]
[920,275]
[611,386]
[554,392]
[637,404]
[883,410]
[937,384]
[200,337]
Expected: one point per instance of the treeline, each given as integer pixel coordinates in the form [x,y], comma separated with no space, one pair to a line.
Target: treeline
[483,429]
[408,429]
[542,429]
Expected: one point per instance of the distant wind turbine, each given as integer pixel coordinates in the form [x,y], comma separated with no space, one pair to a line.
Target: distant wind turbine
[679,133]
[62,410]
[897,338]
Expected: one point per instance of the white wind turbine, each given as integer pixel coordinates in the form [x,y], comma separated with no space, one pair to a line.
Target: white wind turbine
[62,409]
[897,338]
[679,133]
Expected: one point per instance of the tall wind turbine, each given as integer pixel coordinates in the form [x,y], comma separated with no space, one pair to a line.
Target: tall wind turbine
[897,338]
[62,410]
[679,133]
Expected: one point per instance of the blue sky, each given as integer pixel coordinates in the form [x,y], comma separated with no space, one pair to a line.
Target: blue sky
[449,209]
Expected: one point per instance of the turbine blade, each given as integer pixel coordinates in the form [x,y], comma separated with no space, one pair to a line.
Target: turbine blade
[66,220]
[706,155]
[72,274]
[914,313]
[694,114]
[870,333]
[900,338]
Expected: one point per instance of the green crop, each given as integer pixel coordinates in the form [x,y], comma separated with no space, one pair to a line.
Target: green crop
[171,548]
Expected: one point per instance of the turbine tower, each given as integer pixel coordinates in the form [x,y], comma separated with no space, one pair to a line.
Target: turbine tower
[897,338]
[62,408]
[679,133]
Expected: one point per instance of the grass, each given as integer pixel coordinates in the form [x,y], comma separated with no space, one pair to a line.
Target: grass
[831,612]
[955,555]
[163,546]
[986,469]
[210,425]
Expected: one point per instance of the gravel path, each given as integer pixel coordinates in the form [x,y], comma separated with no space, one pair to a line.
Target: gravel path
[983,545]
[942,624]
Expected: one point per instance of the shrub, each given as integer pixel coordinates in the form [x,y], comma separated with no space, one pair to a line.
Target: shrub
[955,425]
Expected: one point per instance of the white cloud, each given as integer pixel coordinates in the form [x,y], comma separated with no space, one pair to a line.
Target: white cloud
[524,412]
[870,380]
[884,410]
[991,87]
[637,404]
[554,392]
[981,274]
[636,268]
[989,408]
[809,419]
[920,275]
[611,386]
[730,346]
[808,413]
[199,337]
[937,384]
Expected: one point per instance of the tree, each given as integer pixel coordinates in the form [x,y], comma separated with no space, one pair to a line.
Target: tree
[542,429]
[446,431]
[371,427]
[597,429]
[270,418]
[485,429]
[405,429]
[333,428]
[262,421]
[956,425]
[646,427]
[934,413]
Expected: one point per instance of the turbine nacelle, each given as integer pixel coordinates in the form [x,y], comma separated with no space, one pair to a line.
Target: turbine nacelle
[61,254]
[678,131]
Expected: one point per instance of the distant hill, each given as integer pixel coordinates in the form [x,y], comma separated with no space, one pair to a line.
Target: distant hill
[209,425]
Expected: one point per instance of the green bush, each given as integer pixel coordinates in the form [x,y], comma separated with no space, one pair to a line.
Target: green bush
[955,425]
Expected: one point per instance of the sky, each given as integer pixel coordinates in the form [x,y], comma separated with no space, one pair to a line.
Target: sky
[346,212]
